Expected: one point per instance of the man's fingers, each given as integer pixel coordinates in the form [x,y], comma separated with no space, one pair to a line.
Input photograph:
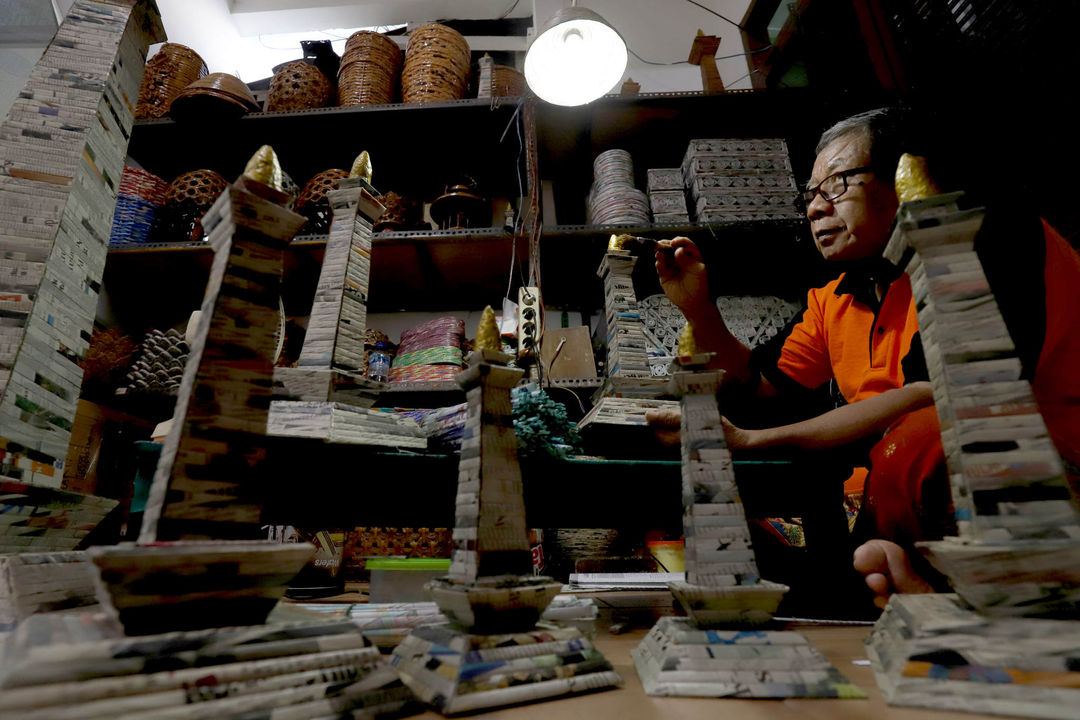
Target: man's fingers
[663,417]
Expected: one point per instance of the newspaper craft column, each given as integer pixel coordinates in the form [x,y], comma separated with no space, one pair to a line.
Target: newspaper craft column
[62,151]
[708,654]
[212,465]
[1018,549]
[490,597]
[627,357]
[329,383]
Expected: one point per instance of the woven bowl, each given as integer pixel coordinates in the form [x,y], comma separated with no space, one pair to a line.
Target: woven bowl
[216,96]
[312,202]
[507,82]
[186,201]
[370,69]
[168,72]
[299,86]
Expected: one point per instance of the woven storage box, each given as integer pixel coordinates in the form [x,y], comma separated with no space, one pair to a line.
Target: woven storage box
[507,82]
[370,70]
[312,202]
[436,65]
[172,69]
[187,199]
[139,196]
[299,86]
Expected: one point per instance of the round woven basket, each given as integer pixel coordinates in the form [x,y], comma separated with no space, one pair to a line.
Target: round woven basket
[401,213]
[172,69]
[507,82]
[187,199]
[143,185]
[299,86]
[312,202]
[436,65]
[137,200]
[370,69]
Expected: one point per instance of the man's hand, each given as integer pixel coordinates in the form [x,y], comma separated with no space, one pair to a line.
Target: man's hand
[666,422]
[682,275]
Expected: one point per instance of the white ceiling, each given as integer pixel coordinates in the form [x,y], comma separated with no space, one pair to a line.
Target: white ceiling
[248,37]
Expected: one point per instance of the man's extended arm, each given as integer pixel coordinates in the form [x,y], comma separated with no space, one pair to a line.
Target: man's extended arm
[840,426]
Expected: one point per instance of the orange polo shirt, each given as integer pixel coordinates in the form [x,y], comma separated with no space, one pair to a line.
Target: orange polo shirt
[843,338]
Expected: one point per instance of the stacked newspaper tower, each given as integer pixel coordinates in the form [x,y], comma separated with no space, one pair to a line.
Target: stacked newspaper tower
[214,455]
[329,382]
[62,151]
[627,357]
[492,653]
[693,656]
[748,179]
[667,197]
[1018,549]
[70,665]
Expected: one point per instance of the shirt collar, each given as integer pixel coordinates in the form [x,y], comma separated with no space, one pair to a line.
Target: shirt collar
[860,279]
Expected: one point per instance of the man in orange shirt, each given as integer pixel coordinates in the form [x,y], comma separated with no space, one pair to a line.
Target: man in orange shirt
[860,332]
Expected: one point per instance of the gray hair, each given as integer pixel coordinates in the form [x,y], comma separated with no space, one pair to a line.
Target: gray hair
[887,131]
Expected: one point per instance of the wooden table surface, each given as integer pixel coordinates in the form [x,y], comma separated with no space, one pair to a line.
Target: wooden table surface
[842,645]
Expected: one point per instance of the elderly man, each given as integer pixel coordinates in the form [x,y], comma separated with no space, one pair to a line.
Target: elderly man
[860,332]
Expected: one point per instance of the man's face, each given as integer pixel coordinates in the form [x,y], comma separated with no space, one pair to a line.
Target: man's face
[856,224]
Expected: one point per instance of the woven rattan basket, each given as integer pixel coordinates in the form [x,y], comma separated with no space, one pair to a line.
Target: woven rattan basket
[172,69]
[139,196]
[507,82]
[370,70]
[312,202]
[436,65]
[188,198]
[299,86]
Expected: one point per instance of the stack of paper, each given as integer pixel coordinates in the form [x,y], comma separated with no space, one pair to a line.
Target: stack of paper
[624,411]
[340,423]
[59,666]
[667,196]
[43,519]
[40,582]
[740,179]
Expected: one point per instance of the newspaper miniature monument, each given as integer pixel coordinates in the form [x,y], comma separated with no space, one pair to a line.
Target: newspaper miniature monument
[1017,553]
[493,653]
[62,151]
[627,357]
[717,651]
[329,383]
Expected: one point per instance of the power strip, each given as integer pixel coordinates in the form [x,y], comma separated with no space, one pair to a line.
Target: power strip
[528,332]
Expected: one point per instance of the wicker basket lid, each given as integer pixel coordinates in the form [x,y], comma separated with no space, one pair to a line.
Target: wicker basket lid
[216,95]
[201,187]
[299,86]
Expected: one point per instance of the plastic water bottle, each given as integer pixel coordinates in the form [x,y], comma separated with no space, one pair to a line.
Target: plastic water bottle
[379,363]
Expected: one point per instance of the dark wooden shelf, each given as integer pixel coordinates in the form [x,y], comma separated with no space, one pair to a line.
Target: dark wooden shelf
[416,149]
[158,285]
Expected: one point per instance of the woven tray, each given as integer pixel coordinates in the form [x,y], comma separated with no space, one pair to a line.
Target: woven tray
[299,86]
[436,65]
[169,71]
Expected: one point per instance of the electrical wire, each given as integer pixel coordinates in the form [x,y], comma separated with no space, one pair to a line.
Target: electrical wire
[710,10]
[509,10]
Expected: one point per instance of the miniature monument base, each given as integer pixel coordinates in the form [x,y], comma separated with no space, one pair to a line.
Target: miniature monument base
[733,605]
[192,585]
[676,658]
[497,604]
[1033,578]
[455,671]
[929,651]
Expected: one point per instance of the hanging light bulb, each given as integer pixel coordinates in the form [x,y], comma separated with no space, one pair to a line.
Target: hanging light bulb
[576,58]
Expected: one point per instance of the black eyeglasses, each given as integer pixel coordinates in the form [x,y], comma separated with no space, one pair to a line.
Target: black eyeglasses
[833,186]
